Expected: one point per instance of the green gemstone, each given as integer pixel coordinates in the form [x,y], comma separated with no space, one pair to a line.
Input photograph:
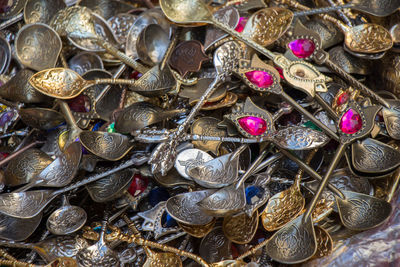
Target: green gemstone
[111,128]
[311,125]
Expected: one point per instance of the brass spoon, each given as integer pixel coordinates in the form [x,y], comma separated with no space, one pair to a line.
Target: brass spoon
[286,205]
[365,38]
[378,8]
[300,232]
[60,172]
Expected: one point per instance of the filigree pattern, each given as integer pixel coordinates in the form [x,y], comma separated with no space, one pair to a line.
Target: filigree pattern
[282,208]
[299,138]
[97,256]
[163,260]
[62,246]
[67,220]
[324,243]
[368,38]
[240,228]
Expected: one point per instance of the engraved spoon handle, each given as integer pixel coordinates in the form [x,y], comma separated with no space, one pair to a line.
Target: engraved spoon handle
[15,244]
[320,10]
[123,57]
[96,177]
[250,170]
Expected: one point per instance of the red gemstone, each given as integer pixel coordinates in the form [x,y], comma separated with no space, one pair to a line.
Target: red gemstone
[280,72]
[234,251]
[138,185]
[253,125]
[81,103]
[260,78]
[6,5]
[135,75]
[350,122]
[342,99]
[302,48]
[242,23]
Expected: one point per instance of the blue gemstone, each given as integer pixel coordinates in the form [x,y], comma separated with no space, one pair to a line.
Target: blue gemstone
[97,126]
[157,195]
[167,221]
[253,194]
[98,230]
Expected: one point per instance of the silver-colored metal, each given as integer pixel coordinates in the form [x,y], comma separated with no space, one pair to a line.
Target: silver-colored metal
[38,46]
[5,55]
[110,187]
[184,209]
[29,204]
[52,248]
[98,254]
[299,138]
[41,10]
[190,158]
[142,114]
[215,246]
[225,59]
[219,172]
[67,219]
[85,61]
[60,172]
[152,43]
[231,199]
[152,221]
[17,229]
[41,118]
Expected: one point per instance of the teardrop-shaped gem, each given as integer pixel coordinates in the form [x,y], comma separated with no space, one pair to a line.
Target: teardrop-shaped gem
[241,24]
[260,78]
[302,48]
[350,122]
[167,221]
[253,125]
[342,99]
[138,185]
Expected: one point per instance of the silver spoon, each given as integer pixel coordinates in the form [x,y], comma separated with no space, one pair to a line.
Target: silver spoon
[30,203]
[67,219]
[60,172]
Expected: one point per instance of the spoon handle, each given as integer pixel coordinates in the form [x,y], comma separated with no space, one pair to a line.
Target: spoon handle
[340,13]
[311,172]
[354,82]
[96,177]
[123,57]
[253,166]
[338,155]
[11,21]
[317,122]
[320,10]
[114,81]
[259,48]
[14,244]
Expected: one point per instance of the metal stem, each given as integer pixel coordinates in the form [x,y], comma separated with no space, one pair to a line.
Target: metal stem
[339,152]
[251,168]
[320,125]
[341,14]
[18,152]
[316,11]
[11,21]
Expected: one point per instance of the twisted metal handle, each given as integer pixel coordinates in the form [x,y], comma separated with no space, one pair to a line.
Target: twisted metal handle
[320,10]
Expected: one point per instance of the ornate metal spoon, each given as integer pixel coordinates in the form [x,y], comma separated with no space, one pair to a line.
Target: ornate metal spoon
[219,172]
[29,204]
[41,10]
[67,219]
[50,249]
[37,46]
[301,230]
[365,38]
[18,229]
[357,211]
[379,8]
[60,172]
[98,254]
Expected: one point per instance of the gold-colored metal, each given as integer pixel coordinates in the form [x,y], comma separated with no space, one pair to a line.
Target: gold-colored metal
[228,101]
[198,231]
[366,38]
[350,94]
[240,228]
[324,242]
[207,126]
[286,205]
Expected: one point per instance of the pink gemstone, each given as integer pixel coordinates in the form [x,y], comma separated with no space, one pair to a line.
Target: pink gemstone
[138,185]
[253,125]
[342,99]
[302,48]
[350,122]
[259,78]
[242,23]
[81,103]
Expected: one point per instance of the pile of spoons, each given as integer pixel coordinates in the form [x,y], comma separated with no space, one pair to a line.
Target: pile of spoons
[197,133]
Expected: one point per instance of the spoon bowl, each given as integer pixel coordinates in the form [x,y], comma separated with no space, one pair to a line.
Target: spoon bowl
[41,118]
[186,12]
[368,38]
[152,44]
[109,146]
